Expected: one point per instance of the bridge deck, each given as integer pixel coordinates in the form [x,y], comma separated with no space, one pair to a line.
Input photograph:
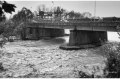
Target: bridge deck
[79,25]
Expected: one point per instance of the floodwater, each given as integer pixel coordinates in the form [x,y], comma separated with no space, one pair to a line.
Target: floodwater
[44,59]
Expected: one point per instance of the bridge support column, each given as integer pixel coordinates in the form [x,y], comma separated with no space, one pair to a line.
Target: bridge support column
[85,39]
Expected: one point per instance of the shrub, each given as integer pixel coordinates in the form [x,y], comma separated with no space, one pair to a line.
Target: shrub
[112,69]
[3,41]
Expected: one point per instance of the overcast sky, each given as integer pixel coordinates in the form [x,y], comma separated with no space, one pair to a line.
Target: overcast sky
[103,8]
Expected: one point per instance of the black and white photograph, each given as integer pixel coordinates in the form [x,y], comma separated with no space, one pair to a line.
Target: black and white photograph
[59,39]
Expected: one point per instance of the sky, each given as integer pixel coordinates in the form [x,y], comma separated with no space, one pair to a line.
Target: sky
[103,8]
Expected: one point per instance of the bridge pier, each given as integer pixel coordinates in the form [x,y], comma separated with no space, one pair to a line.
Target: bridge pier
[84,39]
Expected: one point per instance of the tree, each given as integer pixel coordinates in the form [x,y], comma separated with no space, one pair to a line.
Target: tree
[23,15]
[58,11]
[75,15]
[2,18]
[41,10]
[8,28]
[6,7]
[2,26]
[87,14]
[71,14]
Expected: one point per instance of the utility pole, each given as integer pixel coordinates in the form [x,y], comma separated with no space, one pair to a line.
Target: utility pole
[94,13]
[95,9]
[53,12]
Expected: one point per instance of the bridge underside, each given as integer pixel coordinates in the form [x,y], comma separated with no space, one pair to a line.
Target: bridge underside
[41,33]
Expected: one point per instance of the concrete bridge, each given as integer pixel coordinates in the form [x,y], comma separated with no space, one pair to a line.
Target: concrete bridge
[83,33]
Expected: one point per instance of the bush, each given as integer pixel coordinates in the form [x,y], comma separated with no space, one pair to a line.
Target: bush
[112,69]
